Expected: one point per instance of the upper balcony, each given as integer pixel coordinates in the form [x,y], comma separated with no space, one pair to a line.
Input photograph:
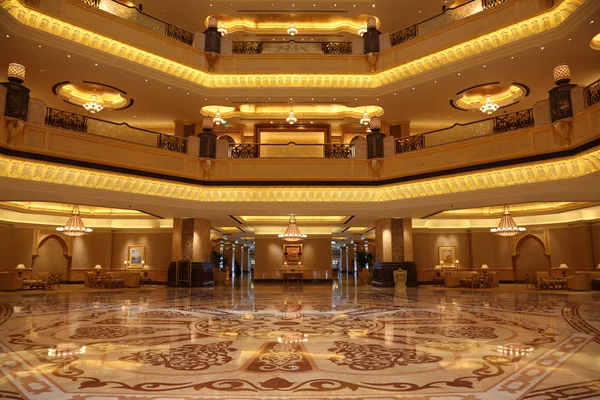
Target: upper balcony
[455,35]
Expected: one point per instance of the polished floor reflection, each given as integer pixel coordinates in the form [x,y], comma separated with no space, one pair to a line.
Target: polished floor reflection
[260,341]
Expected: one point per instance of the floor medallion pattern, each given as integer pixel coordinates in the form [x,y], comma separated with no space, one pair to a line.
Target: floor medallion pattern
[318,342]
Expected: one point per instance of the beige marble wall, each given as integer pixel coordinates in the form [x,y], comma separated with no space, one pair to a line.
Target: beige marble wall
[268,254]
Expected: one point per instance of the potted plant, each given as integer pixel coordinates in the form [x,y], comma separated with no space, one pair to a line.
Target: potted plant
[215,259]
[363,258]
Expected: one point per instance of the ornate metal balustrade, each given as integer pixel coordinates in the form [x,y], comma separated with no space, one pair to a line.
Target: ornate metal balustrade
[592,93]
[404,35]
[410,143]
[492,3]
[66,120]
[243,151]
[337,48]
[516,120]
[93,3]
[247,47]
[181,35]
[339,151]
[171,143]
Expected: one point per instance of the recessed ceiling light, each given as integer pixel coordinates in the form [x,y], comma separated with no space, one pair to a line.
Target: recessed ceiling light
[512,58]
[96,64]
[312,98]
[356,98]
[247,98]
[225,98]
[7,35]
[134,116]
[334,99]
[40,46]
[271,121]
[68,55]
[413,88]
[311,122]
[377,99]
[592,21]
[434,81]
[269,98]
[188,93]
[211,5]
[146,80]
[169,87]
[205,99]
[542,48]
[485,66]
[420,11]
[373,5]
[355,5]
[459,74]
[394,94]
[314,5]
[570,39]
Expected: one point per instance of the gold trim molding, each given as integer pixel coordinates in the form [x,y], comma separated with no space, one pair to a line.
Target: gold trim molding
[502,37]
[549,171]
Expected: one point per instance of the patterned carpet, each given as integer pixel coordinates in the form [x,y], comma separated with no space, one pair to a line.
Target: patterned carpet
[317,342]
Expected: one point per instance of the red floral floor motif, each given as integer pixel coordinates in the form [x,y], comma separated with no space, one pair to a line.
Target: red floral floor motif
[319,343]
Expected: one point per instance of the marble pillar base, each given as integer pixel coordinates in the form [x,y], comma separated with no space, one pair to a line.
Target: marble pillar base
[383,273]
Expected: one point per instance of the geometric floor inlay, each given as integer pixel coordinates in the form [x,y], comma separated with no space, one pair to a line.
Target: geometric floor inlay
[316,342]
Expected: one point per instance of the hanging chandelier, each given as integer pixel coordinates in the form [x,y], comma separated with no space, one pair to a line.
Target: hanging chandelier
[217,120]
[74,226]
[93,107]
[362,30]
[292,30]
[507,226]
[489,107]
[292,233]
[222,30]
[291,119]
[365,119]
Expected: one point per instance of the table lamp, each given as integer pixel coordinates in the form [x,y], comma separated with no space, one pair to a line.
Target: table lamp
[98,268]
[484,268]
[145,268]
[21,267]
[563,268]
[437,270]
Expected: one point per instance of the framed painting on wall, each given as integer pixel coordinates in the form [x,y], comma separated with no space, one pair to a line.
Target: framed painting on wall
[447,254]
[136,254]
[292,254]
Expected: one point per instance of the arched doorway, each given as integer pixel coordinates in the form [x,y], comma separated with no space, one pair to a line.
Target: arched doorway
[530,257]
[356,139]
[227,138]
[52,256]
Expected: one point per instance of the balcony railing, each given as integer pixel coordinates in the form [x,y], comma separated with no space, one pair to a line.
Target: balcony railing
[132,14]
[66,120]
[459,132]
[512,121]
[291,150]
[410,143]
[292,47]
[445,18]
[171,143]
[592,93]
[93,126]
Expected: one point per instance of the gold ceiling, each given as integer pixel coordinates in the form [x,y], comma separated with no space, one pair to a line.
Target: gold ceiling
[515,210]
[65,209]
[300,110]
[503,94]
[110,98]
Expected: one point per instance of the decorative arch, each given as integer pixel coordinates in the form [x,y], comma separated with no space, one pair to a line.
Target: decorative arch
[41,236]
[357,138]
[227,138]
[529,264]
[60,240]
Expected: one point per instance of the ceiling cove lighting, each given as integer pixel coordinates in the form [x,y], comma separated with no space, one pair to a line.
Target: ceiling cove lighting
[292,233]
[507,226]
[292,30]
[93,106]
[74,226]
[489,107]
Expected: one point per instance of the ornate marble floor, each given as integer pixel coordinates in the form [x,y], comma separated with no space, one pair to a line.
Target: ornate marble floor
[316,342]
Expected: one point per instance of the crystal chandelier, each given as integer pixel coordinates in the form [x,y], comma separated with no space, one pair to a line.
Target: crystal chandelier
[217,120]
[93,107]
[507,226]
[291,119]
[489,107]
[222,30]
[74,226]
[292,233]
[365,119]
[292,30]
[362,30]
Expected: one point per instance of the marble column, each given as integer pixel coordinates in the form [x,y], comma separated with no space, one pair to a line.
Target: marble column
[238,257]
[394,250]
[344,259]
[352,258]
[191,242]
